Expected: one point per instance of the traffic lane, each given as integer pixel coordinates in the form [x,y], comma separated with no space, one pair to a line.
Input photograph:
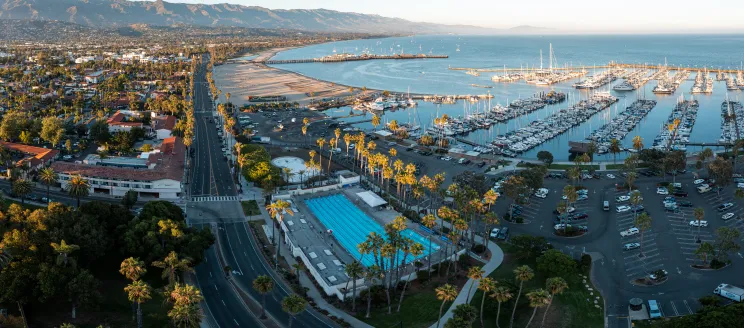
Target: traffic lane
[251,260]
[223,304]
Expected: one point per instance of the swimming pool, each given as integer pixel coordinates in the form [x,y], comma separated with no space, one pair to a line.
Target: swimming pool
[351,226]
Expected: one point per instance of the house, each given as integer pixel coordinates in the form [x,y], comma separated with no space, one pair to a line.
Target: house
[159,175]
[163,126]
[119,122]
[95,77]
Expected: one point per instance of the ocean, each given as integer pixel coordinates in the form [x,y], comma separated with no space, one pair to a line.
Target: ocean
[433,76]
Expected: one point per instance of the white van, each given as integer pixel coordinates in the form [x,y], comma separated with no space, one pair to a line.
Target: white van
[703,189]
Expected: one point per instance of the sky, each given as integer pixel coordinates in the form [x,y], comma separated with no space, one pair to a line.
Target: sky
[572,15]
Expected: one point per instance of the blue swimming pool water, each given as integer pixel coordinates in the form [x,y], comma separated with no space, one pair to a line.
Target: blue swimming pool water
[351,226]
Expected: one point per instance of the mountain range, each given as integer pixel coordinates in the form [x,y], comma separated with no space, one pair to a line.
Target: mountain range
[117,13]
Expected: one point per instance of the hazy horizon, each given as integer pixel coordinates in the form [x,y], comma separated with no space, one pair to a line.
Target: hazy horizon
[577,16]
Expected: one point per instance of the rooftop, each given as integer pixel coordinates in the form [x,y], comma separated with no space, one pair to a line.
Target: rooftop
[38,155]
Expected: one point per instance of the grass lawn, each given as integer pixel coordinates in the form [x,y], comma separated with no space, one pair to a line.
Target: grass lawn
[620,166]
[567,166]
[250,207]
[28,206]
[569,310]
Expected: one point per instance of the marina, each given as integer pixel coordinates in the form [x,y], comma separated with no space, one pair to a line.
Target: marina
[621,125]
[675,133]
[732,121]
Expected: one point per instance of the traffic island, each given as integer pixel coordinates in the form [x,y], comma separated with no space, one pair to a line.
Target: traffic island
[712,266]
[570,232]
[648,282]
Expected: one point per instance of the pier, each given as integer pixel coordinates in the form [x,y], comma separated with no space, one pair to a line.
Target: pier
[346,58]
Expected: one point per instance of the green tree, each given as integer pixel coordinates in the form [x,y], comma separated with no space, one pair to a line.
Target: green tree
[704,251]
[555,262]
[522,273]
[78,188]
[277,210]
[726,242]
[722,171]
[463,316]
[52,130]
[487,285]
[48,177]
[538,298]
[293,304]
[63,251]
[263,284]
[132,268]
[445,293]
[699,214]
[643,223]
[502,295]
[129,199]
[556,286]
[21,188]
[615,149]
[139,292]
[25,137]
[171,265]
[82,290]
[354,270]
[545,157]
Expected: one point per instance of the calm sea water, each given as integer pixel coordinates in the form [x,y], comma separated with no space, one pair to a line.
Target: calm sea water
[433,76]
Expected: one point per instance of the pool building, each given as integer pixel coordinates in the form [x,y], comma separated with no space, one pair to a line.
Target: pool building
[328,226]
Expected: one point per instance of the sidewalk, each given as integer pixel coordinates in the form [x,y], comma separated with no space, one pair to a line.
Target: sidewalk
[497,256]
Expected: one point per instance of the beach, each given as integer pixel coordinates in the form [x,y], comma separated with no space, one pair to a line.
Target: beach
[252,78]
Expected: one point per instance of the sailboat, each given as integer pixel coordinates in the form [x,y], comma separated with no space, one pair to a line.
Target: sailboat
[458,48]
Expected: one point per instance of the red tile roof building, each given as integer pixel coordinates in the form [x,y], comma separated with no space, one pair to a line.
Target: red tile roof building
[35,157]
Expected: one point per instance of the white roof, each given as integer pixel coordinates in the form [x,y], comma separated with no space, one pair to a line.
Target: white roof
[321,266]
[371,198]
[384,133]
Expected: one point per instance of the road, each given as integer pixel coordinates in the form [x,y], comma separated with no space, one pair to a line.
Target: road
[215,202]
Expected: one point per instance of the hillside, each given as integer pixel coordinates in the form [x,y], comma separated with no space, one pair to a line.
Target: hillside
[117,13]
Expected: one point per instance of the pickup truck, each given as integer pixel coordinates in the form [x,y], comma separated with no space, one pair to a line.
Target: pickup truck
[629,232]
[731,292]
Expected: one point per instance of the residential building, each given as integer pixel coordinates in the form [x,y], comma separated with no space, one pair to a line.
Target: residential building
[30,156]
[163,126]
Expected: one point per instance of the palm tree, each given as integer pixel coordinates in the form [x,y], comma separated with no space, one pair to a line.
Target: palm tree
[429,221]
[321,142]
[475,273]
[637,143]
[502,295]
[293,304]
[699,214]
[79,187]
[643,223]
[139,292]
[635,199]
[353,270]
[614,149]
[415,249]
[63,249]
[48,177]
[555,285]
[373,272]
[375,121]
[263,284]
[277,210]
[486,285]
[171,265]
[445,293]
[538,298]
[522,273]
[22,188]
[188,315]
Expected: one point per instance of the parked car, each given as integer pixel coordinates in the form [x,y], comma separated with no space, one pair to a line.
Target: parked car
[696,223]
[494,232]
[727,216]
[629,232]
[610,176]
[680,193]
[631,246]
[662,191]
[698,181]
[724,206]
[622,208]
[579,215]
[658,274]
[684,203]
[481,164]
[622,198]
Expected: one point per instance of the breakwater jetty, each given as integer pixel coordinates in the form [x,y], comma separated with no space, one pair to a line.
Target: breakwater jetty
[349,57]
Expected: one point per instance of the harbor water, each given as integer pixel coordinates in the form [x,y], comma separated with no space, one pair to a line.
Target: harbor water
[432,76]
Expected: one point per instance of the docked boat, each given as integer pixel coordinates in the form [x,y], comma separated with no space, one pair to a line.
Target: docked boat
[472,72]
[624,86]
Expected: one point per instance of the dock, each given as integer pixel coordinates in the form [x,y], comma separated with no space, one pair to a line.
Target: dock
[589,67]
[346,58]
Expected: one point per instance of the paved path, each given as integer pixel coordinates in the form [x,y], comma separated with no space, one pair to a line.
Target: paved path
[497,256]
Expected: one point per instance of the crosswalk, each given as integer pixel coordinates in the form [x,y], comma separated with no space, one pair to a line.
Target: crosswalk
[215,199]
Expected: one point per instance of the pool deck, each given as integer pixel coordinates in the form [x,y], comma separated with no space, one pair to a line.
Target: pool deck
[311,236]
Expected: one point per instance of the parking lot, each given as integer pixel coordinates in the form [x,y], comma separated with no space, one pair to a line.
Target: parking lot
[644,260]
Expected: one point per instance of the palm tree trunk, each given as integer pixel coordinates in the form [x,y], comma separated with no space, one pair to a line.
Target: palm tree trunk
[550,302]
[23,314]
[428,259]
[498,314]
[534,310]
[440,313]
[516,302]
[387,292]
[369,301]
[78,201]
[403,293]
[139,315]
[353,295]
[483,301]
[469,290]
[73,311]
[47,193]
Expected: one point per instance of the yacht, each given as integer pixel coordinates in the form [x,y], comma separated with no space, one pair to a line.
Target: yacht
[625,86]
[472,72]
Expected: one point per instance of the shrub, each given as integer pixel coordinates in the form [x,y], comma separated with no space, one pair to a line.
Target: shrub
[520,219]
[585,262]
[716,264]
[479,248]
[555,262]
[710,300]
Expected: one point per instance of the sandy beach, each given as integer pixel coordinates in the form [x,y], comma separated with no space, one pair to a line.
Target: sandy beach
[253,78]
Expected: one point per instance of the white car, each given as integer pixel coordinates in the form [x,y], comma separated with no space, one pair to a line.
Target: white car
[543,191]
[622,198]
[629,232]
[446,158]
[662,191]
[740,185]
[494,232]
[570,209]
[582,197]
[610,176]
[622,208]
[541,195]
[677,185]
[654,277]
[631,246]
[561,226]
[727,216]
[698,181]
[696,223]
